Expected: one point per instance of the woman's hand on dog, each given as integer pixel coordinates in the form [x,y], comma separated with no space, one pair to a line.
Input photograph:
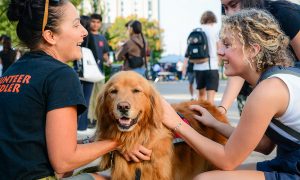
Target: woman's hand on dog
[205,117]
[138,153]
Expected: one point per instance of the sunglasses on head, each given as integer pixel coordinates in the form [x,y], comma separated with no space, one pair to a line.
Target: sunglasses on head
[45,19]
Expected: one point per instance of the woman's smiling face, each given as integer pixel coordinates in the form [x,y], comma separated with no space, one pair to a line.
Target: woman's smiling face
[70,35]
[231,52]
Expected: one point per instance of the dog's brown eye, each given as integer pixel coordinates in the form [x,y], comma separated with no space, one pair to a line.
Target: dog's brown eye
[136,91]
[114,91]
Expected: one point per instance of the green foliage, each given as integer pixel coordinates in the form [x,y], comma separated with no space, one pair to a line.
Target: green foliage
[6,27]
[76,2]
[118,33]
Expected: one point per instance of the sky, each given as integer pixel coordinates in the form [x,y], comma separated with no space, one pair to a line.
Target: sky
[179,17]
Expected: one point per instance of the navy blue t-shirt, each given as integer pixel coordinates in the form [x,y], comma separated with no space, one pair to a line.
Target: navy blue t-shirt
[101,47]
[31,87]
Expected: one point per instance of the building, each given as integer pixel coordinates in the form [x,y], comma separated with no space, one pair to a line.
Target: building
[111,9]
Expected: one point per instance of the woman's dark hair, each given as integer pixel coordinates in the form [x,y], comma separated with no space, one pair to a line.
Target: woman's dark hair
[30,14]
[88,40]
[136,26]
[85,21]
[268,4]
[258,4]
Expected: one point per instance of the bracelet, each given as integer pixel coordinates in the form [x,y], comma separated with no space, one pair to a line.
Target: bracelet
[178,125]
[223,108]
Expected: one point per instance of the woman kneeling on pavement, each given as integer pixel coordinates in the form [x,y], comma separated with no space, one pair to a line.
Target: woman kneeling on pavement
[38,119]
[252,45]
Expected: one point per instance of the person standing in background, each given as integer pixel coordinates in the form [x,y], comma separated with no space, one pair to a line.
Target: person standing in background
[206,74]
[133,50]
[288,16]
[1,48]
[7,55]
[155,70]
[87,87]
[187,70]
[100,48]
[1,42]
[179,65]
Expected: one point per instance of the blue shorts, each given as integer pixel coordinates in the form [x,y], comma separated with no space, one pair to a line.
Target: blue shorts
[141,71]
[286,167]
[191,77]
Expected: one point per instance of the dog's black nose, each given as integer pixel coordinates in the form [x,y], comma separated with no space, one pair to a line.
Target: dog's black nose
[123,106]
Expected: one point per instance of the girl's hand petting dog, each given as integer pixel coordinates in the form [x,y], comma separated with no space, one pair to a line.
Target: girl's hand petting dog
[205,117]
[138,153]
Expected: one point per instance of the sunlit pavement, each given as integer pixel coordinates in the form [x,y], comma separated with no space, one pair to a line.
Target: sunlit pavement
[177,91]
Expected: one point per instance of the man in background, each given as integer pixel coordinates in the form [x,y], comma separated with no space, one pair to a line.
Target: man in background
[7,55]
[100,48]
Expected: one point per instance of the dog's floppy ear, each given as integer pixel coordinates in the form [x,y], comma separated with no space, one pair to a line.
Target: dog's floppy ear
[101,111]
[156,107]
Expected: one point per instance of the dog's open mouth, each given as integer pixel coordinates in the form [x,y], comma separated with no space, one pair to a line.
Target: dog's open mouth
[125,122]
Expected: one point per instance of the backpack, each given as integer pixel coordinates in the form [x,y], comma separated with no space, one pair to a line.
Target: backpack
[197,47]
[136,61]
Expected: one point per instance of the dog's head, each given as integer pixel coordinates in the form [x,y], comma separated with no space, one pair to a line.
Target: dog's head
[128,102]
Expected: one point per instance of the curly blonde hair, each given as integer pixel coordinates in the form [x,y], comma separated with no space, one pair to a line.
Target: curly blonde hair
[253,26]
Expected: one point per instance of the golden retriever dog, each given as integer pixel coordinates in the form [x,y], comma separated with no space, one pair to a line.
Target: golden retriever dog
[129,111]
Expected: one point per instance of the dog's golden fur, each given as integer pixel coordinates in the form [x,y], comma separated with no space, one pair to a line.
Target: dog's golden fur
[129,111]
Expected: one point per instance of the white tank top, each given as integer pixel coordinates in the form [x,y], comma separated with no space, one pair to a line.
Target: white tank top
[291,116]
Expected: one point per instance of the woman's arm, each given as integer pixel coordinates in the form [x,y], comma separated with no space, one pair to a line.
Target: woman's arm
[261,106]
[233,87]
[184,66]
[120,54]
[61,135]
[66,155]
[265,145]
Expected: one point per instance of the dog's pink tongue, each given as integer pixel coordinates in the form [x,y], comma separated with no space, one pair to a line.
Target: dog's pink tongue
[124,121]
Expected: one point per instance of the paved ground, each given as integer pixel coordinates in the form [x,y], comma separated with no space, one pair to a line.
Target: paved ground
[177,91]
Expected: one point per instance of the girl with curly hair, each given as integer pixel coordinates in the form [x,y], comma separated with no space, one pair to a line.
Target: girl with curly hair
[251,44]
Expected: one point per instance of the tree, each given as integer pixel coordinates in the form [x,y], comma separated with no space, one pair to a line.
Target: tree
[117,33]
[6,27]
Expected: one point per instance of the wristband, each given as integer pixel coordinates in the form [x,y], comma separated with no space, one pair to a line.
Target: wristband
[223,108]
